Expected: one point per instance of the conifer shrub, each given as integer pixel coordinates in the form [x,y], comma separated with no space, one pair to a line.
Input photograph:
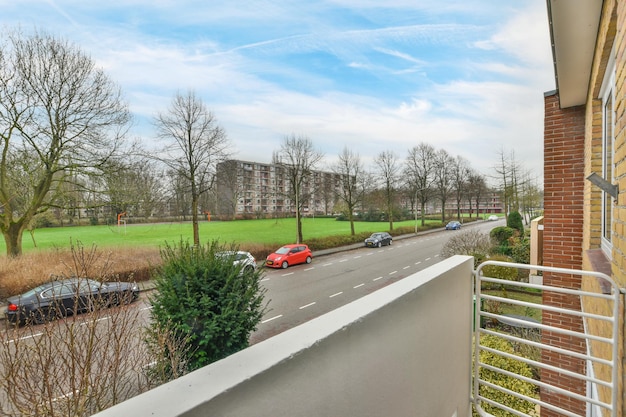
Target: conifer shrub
[205,300]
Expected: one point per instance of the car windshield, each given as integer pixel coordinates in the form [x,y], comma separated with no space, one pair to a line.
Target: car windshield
[283,250]
[376,236]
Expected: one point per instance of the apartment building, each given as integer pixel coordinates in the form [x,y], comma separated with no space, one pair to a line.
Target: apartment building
[584,166]
[255,189]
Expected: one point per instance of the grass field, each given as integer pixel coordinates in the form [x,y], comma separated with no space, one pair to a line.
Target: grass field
[243,232]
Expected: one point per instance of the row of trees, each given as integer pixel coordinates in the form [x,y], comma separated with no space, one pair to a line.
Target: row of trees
[65,151]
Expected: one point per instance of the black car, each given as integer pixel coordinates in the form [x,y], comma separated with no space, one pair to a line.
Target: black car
[378,239]
[67,296]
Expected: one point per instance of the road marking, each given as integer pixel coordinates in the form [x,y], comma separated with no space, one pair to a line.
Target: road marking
[272,318]
[427,259]
[308,305]
[265,279]
[328,264]
[392,272]
[287,274]
[146,308]
[357,257]
[343,260]
[407,267]
[418,262]
[357,286]
[376,279]
[308,269]
[26,337]
[336,294]
[95,321]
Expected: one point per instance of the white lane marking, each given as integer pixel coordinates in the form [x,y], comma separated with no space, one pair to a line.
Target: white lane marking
[265,279]
[95,321]
[418,262]
[287,274]
[308,269]
[308,305]
[427,259]
[436,256]
[407,267]
[356,257]
[146,308]
[328,264]
[271,318]
[392,272]
[336,294]
[343,260]
[357,286]
[26,337]
[376,279]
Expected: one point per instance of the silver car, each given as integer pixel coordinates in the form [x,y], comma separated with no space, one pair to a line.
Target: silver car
[240,258]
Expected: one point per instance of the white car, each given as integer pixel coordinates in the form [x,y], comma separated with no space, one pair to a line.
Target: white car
[493,218]
[243,258]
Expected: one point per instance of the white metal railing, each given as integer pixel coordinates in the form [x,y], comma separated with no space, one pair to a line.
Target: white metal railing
[524,333]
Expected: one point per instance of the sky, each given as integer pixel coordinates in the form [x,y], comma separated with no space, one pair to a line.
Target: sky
[467,76]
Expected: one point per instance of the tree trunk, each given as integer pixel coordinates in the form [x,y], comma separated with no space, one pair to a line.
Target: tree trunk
[13,239]
[194,220]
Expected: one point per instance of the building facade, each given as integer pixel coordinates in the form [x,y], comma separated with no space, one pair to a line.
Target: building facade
[584,169]
[252,189]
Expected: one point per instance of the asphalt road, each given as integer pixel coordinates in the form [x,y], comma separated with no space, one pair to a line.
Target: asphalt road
[303,292]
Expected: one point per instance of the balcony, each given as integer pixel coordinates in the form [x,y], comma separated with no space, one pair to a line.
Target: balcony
[404,350]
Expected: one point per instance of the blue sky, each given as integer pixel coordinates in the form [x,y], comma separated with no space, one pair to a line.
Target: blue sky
[370,75]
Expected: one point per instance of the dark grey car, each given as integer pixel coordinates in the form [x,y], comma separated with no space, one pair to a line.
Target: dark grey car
[376,240]
[66,297]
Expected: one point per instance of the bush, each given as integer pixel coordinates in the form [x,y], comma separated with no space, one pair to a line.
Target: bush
[501,272]
[205,299]
[514,221]
[505,381]
[471,242]
[500,237]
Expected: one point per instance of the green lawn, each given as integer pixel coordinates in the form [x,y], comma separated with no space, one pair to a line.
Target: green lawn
[272,231]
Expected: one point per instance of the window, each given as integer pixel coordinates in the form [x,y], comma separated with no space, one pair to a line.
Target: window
[608,120]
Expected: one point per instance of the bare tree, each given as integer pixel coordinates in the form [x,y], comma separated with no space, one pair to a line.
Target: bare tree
[420,176]
[387,162]
[459,173]
[476,189]
[352,182]
[199,145]
[443,179]
[59,115]
[298,158]
[229,188]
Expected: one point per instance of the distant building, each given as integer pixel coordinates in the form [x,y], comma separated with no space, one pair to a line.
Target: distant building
[254,189]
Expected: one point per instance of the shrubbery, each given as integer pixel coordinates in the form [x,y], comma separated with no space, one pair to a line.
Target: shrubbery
[514,221]
[207,301]
[497,378]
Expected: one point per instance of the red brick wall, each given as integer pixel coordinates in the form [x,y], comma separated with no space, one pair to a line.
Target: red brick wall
[564,142]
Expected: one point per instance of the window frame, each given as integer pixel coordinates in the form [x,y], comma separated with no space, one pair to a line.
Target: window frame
[607,95]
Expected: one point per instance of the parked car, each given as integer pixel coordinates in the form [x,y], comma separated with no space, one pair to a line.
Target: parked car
[240,258]
[376,240]
[66,297]
[453,225]
[289,255]
[493,218]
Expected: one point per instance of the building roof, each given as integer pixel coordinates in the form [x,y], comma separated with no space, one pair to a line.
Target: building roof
[573,32]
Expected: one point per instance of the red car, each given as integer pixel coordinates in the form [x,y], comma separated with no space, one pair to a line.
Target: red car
[289,255]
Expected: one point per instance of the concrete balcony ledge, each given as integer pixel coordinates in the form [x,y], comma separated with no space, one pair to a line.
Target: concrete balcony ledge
[404,350]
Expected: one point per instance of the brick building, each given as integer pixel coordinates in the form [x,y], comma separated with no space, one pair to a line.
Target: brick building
[584,136]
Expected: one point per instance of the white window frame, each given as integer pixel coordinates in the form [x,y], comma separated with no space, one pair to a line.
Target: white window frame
[607,94]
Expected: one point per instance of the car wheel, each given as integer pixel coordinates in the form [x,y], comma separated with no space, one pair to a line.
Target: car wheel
[390,242]
[248,269]
[379,244]
[284,265]
[308,259]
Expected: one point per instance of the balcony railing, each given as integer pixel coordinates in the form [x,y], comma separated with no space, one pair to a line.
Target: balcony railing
[403,350]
